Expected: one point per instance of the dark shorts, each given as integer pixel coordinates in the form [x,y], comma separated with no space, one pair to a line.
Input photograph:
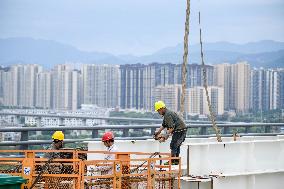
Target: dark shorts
[177,139]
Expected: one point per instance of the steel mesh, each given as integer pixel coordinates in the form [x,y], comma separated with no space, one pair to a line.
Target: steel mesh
[126,172]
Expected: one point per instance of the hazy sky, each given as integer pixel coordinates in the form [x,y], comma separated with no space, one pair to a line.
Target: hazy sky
[140,26]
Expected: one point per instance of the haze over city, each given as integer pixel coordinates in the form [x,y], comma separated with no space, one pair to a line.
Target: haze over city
[140,27]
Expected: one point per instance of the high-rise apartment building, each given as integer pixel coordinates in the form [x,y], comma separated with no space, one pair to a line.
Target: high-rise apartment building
[2,72]
[194,75]
[170,94]
[43,90]
[131,94]
[156,74]
[241,87]
[197,100]
[274,89]
[29,89]
[149,83]
[216,95]
[19,85]
[281,88]
[11,86]
[266,89]
[65,87]
[101,85]
[138,81]
[164,74]
[222,78]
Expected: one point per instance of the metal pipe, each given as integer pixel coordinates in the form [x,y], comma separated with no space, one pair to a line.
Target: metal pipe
[93,117]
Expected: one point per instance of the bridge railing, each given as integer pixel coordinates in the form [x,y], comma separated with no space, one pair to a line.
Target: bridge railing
[202,131]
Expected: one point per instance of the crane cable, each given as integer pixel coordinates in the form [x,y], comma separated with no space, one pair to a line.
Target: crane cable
[184,67]
[212,116]
[184,72]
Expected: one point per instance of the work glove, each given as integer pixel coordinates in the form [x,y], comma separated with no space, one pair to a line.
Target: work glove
[156,136]
[162,139]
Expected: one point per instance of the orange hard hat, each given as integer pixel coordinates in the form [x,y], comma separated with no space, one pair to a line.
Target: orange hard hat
[107,136]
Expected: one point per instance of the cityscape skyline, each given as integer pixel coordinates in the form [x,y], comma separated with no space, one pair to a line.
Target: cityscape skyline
[235,87]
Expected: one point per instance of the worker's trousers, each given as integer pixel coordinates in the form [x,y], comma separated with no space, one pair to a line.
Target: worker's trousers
[177,139]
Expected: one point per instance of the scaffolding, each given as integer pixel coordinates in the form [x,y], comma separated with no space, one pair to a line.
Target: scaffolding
[85,170]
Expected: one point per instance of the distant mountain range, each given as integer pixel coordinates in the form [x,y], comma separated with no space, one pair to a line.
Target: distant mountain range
[49,53]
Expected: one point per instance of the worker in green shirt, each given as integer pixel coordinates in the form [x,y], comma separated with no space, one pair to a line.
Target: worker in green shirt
[175,126]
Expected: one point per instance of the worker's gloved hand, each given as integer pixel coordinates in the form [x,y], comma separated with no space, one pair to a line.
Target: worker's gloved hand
[162,139]
[156,136]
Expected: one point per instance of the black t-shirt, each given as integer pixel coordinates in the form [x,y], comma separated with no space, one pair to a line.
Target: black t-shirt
[172,120]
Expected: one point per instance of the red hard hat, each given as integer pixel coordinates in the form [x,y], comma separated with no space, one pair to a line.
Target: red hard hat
[107,136]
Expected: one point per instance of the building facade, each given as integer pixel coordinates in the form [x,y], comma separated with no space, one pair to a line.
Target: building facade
[101,85]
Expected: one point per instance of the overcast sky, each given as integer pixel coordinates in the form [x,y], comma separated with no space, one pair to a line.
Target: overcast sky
[140,27]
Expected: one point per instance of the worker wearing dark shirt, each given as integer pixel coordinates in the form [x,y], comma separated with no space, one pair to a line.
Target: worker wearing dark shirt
[57,144]
[175,126]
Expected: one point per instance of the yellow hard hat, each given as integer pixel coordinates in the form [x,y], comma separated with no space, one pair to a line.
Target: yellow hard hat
[58,135]
[159,105]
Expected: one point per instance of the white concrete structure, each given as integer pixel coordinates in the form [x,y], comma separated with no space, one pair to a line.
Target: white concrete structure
[248,163]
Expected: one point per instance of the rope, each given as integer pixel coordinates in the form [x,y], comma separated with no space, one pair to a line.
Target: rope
[212,116]
[184,69]
[151,156]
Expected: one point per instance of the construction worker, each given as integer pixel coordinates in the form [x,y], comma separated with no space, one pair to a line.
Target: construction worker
[108,140]
[103,169]
[57,144]
[175,126]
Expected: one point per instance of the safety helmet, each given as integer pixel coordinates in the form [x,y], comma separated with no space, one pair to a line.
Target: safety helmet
[58,135]
[159,105]
[107,136]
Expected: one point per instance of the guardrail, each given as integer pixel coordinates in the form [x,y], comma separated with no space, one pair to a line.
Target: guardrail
[203,131]
[85,117]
